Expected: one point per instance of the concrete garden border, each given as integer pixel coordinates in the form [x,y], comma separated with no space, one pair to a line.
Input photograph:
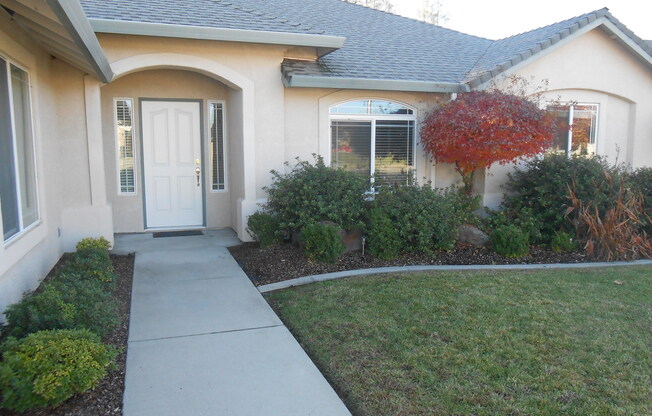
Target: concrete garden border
[410,269]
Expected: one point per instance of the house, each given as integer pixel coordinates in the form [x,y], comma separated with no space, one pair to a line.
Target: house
[124,116]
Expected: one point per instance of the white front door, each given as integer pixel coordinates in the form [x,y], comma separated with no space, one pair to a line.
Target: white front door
[172,158]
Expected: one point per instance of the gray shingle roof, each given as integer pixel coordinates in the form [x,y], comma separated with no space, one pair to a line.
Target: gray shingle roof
[505,53]
[232,14]
[379,45]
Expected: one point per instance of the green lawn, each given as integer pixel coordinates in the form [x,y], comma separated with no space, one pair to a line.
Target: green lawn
[482,343]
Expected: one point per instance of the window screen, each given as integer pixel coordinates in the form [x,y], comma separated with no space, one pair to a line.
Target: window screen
[18,194]
[216,122]
[351,146]
[125,138]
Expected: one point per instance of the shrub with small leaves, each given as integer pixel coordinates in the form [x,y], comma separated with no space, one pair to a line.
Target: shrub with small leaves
[93,244]
[92,264]
[542,189]
[322,242]
[563,241]
[425,218]
[311,193]
[384,240]
[49,367]
[264,228]
[65,302]
[510,241]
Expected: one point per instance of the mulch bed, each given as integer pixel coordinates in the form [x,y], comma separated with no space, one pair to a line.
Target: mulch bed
[106,398]
[286,261]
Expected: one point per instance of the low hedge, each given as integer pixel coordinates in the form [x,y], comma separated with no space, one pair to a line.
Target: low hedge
[77,297]
[48,367]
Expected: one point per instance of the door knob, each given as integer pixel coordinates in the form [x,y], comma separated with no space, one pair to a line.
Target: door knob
[198,172]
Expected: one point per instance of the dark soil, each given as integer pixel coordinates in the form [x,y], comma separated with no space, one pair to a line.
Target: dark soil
[106,398]
[286,261]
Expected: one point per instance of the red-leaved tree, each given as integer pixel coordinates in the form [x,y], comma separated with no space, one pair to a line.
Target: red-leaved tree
[481,128]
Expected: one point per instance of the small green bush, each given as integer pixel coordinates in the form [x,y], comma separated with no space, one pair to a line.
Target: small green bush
[510,241]
[65,302]
[524,219]
[93,244]
[425,218]
[264,228]
[563,241]
[321,242]
[93,264]
[49,367]
[313,193]
[542,188]
[383,237]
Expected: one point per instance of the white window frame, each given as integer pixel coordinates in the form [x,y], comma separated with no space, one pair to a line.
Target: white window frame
[373,118]
[571,109]
[224,149]
[22,230]
[117,145]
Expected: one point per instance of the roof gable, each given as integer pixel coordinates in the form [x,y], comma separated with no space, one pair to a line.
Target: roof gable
[504,54]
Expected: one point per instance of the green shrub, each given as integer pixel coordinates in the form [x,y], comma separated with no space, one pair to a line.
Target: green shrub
[264,228]
[424,218]
[563,241]
[383,237]
[313,193]
[93,264]
[641,181]
[510,241]
[49,367]
[524,220]
[93,244]
[542,188]
[322,242]
[65,302]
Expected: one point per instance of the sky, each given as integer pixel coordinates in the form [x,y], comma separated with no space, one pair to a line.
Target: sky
[497,19]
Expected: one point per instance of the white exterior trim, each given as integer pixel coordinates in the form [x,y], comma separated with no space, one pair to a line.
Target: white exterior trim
[117,146]
[372,118]
[225,149]
[325,42]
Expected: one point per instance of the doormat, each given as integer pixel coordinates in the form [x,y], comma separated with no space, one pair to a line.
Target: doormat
[177,233]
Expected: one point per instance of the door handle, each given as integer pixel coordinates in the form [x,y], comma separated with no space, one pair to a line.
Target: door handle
[198,172]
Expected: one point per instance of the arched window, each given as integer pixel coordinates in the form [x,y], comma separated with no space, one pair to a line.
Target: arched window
[374,137]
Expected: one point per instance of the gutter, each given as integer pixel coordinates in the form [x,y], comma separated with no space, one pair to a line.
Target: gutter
[308,81]
[324,43]
[73,19]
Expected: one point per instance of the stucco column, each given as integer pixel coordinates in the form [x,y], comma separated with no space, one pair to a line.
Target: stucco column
[96,219]
[94,139]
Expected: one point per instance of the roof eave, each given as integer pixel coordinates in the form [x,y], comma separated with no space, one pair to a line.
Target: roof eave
[73,19]
[324,43]
[309,81]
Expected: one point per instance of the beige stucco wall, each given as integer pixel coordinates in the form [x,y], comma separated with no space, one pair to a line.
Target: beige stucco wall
[161,84]
[594,69]
[307,126]
[59,130]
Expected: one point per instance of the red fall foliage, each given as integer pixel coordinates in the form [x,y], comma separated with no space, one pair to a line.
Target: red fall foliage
[481,128]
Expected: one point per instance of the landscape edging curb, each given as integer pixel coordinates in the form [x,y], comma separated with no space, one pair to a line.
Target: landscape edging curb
[300,281]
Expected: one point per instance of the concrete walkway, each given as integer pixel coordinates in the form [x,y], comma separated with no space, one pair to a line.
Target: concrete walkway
[203,341]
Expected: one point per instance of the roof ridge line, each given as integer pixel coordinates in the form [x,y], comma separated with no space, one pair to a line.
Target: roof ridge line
[539,46]
[599,13]
[414,20]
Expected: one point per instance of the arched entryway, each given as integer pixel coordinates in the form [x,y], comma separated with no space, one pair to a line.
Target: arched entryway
[195,109]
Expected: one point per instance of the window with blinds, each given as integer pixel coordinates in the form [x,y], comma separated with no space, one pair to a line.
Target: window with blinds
[18,194]
[374,138]
[125,142]
[216,123]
